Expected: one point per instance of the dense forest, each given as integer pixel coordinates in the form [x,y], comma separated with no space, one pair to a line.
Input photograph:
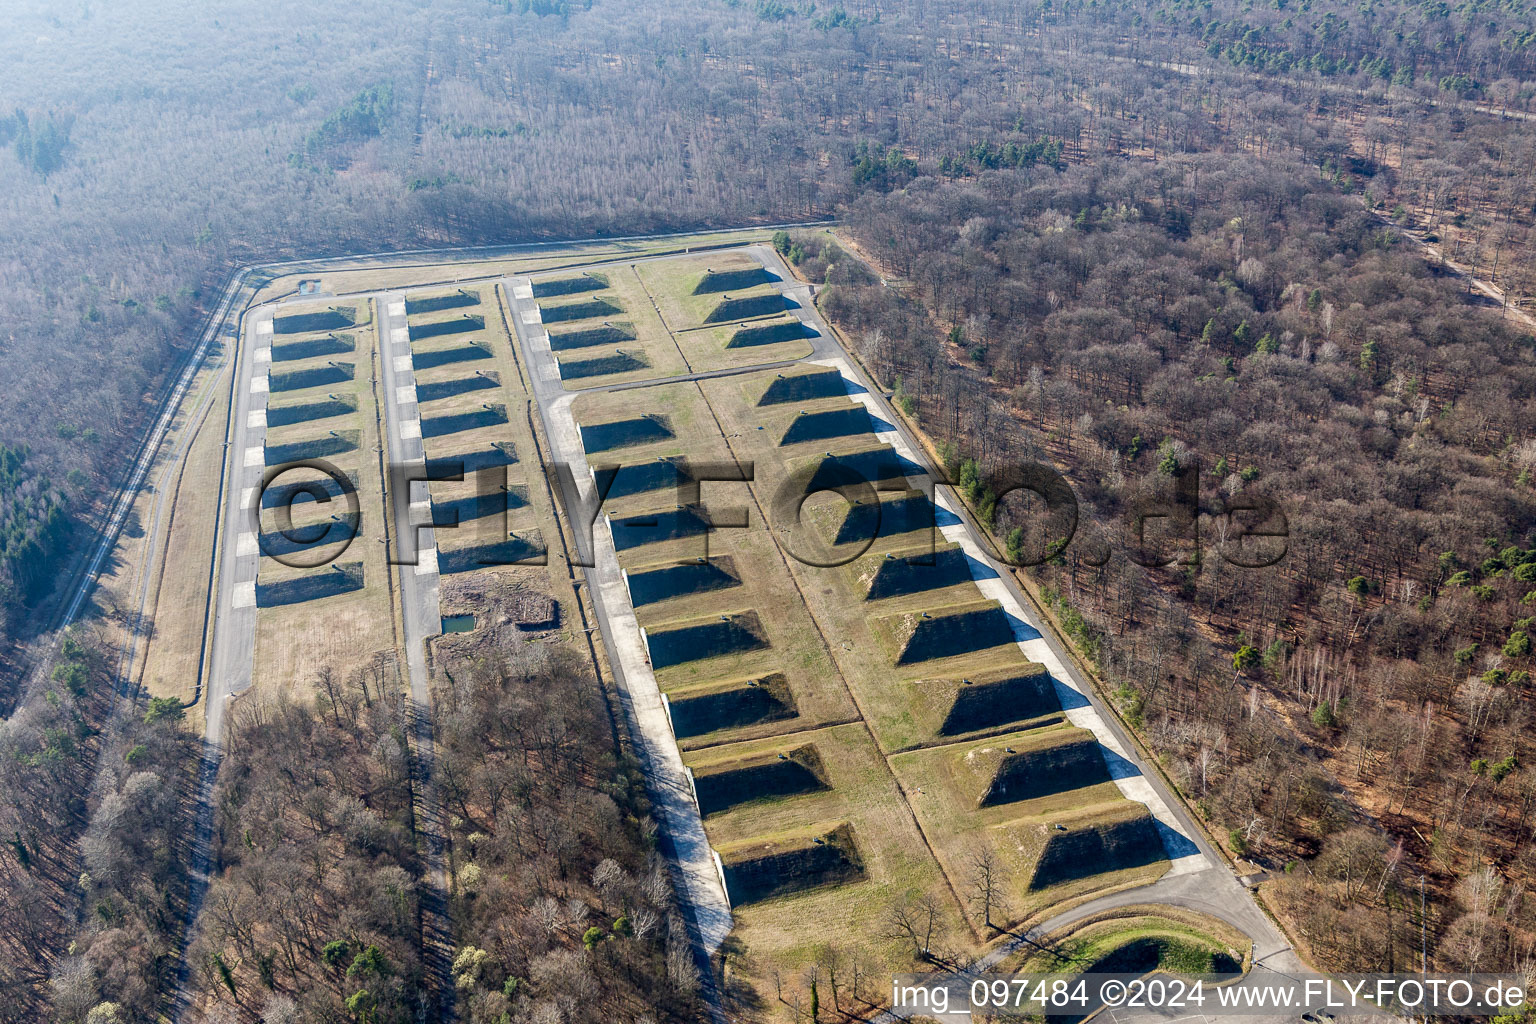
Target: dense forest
[1264,330]
[1131,239]
[137,182]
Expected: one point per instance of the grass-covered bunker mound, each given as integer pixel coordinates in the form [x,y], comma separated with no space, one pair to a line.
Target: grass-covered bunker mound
[638,478]
[586,282]
[333,443]
[587,337]
[602,366]
[883,467]
[1170,951]
[911,570]
[583,309]
[512,551]
[770,334]
[804,387]
[1030,767]
[300,412]
[321,320]
[733,705]
[647,586]
[482,381]
[747,306]
[462,324]
[758,869]
[891,516]
[1123,837]
[730,633]
[729,784]
[478,506]
[916,637]
[298,487]
[449,356]
[313,348]
[448,467]
[437,303]
[337,578]
[827,424]
[715,281]
[314,377]
[605,437]
[487,415]
[302,537]
[655,528]
[987,700]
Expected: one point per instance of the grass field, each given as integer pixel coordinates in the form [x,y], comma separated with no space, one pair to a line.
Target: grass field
[295,639]
[857,730]
[720,348]
[860,793]
[621,308]
[697,291]
[794,648]
[1135,939]
[558,260]
[474,412]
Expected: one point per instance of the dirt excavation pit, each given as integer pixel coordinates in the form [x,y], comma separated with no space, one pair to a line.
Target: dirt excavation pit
[588,337]
[482,380]
[495,602]
[322,320]
[803,387]
[733,705]
[1030,769]
[587,282]
[313,348]
[328,581]
[771,334]
[988,700]
[823,426]
[773,776]
[437,303]
[605,437]
[647,586]
[581,310]
[731,633]
[440,328]
[493,613]
[757,869]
